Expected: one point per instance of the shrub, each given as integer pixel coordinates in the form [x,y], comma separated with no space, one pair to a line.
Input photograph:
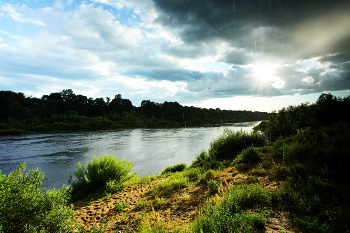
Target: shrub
[193,174]
[231,143]
[213,185]
[106,173]
[26,207]
[209,175]
[176,168]
[202,161]
[249,156]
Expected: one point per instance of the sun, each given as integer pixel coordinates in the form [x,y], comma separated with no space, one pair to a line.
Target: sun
[263,72]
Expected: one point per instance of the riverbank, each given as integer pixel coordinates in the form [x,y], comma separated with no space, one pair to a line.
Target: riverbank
[135,208]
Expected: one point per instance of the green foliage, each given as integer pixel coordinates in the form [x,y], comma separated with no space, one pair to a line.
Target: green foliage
[121,206]
[26,207]
[313,164]
[202,161]
[230,215]
[250,156]
[193,174]
[213,185]
[142,204]
[176,168]
[231,143]
[106,173]
[327,110]
[209,175]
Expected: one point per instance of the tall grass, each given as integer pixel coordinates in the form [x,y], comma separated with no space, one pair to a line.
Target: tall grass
[231,215]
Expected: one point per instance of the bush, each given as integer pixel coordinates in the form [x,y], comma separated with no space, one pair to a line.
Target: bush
[176,168]
[26,207]
[231,143]
[250,156]
[213,185]
[106,173]
[209,175]
[202,161]
[193,174]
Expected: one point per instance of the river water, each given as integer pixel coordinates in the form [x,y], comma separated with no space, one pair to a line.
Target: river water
[150,150]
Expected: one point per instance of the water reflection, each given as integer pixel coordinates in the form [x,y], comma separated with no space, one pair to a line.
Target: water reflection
[151,150]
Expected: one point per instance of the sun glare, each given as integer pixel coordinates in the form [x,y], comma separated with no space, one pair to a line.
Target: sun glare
[263,72]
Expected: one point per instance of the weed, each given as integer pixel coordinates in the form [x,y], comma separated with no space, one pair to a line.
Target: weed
[121,206]
[159,202]
[142,204]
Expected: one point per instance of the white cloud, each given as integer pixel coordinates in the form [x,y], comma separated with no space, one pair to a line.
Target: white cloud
[11,12]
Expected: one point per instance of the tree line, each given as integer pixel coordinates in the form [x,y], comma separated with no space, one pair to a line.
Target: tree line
[67,111]
[327,110]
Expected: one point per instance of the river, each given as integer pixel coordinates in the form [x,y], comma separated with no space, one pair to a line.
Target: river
[150,150]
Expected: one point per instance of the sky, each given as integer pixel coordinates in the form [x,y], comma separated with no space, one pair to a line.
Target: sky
[258,55]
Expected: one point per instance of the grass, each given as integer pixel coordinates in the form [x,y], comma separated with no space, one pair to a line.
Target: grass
[121,206]
[176,181]
[231,213]
[142,204]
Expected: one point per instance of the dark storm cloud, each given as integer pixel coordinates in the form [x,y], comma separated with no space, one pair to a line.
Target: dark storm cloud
[268,26]
[207,19]
[236,57]
[336,58]
[166,74]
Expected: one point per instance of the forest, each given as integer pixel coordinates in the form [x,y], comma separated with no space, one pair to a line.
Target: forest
[67,111]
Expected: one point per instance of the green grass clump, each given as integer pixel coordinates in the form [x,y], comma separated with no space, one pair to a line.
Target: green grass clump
[230,214]
[121,206]
[176,181]
[104,174]
[142,204]
[26,207]
[176,168]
